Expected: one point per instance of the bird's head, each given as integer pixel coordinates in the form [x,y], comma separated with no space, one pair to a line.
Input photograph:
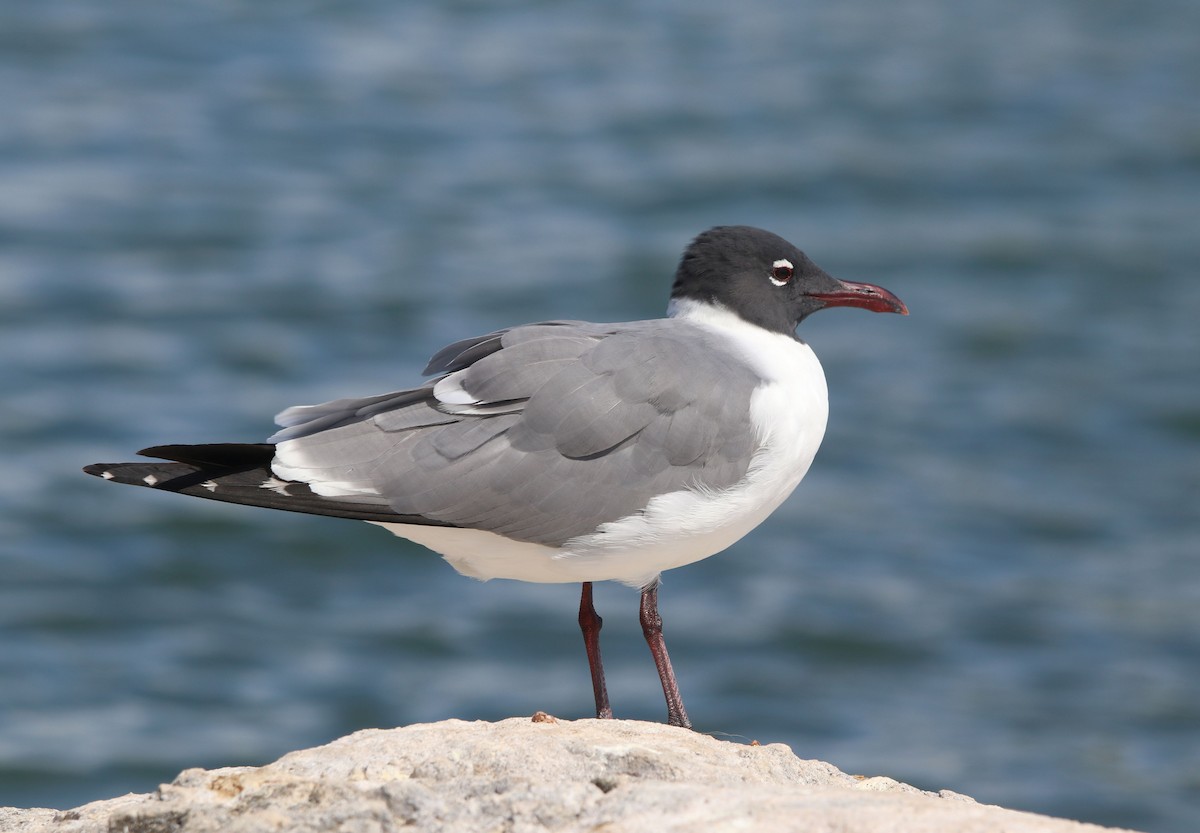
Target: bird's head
[766,280]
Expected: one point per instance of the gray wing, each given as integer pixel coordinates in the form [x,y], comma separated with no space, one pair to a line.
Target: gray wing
[539,433]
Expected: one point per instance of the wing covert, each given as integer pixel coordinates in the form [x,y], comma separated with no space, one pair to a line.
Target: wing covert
[596,420]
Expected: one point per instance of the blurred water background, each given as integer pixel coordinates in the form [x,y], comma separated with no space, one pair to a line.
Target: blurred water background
[990,580]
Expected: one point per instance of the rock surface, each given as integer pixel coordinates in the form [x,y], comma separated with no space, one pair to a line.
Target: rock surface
[518,775]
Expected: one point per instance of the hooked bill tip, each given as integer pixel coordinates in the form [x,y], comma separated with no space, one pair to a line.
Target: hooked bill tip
[863,295]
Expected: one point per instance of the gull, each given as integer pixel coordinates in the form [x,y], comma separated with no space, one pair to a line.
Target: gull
[569,451]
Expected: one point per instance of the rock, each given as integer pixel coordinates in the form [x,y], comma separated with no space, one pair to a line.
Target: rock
[518,775]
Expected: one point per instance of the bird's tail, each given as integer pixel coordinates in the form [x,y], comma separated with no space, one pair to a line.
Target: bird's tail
[237,473]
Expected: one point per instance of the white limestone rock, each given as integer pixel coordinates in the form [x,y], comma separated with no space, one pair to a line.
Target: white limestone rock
[519,775]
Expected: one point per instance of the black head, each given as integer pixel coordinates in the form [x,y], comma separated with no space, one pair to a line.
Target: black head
[766,280]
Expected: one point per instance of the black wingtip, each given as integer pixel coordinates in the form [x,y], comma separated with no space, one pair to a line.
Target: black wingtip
[230,455]
[98,470]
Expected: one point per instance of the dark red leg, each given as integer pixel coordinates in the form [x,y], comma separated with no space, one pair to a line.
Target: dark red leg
[590,623]
[652,628]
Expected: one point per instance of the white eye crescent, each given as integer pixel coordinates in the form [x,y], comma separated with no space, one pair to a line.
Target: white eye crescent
[781,272]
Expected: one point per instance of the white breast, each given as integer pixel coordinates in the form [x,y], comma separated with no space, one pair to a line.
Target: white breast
[788,411]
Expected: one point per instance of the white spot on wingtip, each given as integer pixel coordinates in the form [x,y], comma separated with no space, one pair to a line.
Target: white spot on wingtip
[107,475]
[150,480]
[276,485]
[210,485]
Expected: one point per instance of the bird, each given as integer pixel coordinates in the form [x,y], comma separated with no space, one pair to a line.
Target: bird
[567,451]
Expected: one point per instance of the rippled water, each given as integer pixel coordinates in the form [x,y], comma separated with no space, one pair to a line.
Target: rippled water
[990,580]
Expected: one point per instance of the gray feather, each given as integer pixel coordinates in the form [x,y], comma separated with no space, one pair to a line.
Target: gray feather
[595,421]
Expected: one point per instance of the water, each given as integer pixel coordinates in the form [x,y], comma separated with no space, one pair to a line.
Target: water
[990,580]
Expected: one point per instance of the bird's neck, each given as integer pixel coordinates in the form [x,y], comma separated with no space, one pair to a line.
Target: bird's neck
[773,355]
[693,309]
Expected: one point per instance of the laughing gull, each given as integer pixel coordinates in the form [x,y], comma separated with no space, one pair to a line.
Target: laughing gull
[567,451]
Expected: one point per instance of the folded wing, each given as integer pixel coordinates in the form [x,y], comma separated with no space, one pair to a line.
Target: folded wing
[539,433]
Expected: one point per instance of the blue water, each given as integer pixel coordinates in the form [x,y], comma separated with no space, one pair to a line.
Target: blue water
[990,580]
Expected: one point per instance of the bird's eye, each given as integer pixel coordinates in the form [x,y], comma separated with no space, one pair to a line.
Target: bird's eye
[781,272]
